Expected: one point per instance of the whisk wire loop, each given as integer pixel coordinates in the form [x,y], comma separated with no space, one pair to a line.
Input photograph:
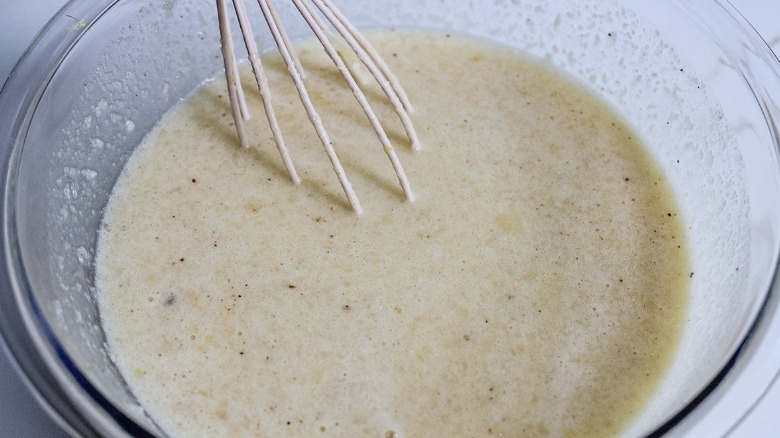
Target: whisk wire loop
[262,85]
[368,56]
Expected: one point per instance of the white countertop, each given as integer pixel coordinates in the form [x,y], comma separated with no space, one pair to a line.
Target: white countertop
[20,415]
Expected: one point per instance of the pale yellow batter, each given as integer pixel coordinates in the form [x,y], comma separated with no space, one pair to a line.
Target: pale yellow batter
[536,287]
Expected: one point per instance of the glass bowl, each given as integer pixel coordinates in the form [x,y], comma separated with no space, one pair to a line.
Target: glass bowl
[694,80]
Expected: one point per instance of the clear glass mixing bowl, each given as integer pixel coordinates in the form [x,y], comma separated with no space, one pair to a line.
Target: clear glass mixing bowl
[693,78]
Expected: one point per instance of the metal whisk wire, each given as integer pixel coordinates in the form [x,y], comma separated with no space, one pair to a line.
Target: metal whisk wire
[359,45]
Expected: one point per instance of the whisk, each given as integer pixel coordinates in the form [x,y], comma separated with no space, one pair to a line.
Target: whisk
[359,46]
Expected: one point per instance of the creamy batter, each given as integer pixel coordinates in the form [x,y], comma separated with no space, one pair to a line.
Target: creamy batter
[536,287]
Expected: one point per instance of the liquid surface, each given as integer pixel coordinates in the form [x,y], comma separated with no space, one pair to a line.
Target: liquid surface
[536,287]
